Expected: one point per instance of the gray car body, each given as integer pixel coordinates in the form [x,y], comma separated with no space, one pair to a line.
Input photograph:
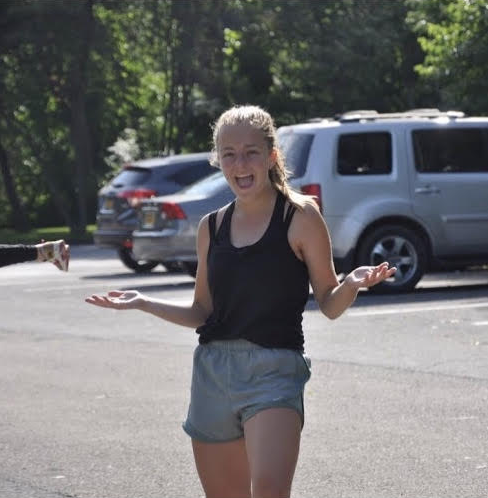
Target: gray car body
[175,240]
[451,209]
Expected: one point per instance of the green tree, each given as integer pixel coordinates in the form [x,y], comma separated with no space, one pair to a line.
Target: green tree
[165,69]
[454,37]
[46,81]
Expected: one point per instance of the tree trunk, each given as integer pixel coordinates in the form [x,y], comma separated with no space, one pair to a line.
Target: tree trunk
[19,215]
[80,131]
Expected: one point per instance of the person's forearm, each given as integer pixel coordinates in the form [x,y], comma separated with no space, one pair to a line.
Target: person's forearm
[11,254]
[338,300]
[191,315]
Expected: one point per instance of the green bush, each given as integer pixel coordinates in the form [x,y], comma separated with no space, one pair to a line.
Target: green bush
[10,236]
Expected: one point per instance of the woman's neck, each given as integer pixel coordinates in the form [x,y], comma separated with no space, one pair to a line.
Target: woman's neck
[258,204]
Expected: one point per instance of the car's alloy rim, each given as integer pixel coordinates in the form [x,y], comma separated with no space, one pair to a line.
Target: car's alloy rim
[398,252]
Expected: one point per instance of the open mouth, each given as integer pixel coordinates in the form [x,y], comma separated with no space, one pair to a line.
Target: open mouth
[244,181]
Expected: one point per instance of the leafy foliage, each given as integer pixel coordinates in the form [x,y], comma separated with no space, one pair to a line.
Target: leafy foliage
[75,76]
[454,37]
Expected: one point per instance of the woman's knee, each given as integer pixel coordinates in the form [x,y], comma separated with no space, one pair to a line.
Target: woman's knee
[266,485]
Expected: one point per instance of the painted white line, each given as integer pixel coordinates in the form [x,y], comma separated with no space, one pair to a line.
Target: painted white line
[61,288]
[416,309]
[480,324]
[133,285]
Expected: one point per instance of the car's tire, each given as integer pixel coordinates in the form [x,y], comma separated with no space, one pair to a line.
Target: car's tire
[172,266]
[401,247]
[191,268]
[127,257]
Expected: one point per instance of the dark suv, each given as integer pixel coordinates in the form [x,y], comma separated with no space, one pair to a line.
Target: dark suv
[117,201]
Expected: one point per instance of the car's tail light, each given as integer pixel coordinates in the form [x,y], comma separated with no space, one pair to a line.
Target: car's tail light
[172,211]
[314,190]
[134,197]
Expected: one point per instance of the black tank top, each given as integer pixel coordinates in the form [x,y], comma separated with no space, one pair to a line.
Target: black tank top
[259,291]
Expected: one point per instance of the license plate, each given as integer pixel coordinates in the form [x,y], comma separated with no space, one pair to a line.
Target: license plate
[108,204]
[149,219]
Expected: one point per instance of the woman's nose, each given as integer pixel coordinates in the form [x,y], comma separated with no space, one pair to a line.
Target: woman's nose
[241,159]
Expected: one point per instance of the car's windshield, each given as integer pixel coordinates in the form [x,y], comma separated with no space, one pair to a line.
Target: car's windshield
[208,186]
[295,148]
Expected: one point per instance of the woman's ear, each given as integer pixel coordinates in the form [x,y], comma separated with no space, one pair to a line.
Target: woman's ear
[273,157]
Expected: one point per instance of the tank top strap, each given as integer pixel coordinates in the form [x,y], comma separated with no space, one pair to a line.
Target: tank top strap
[212,221]
[290,211]
[223,232]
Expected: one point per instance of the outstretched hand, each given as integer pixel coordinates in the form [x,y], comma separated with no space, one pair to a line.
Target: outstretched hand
[118,300]
[367,276]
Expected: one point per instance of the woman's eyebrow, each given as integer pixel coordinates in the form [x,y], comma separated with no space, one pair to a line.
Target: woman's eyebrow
[230,147]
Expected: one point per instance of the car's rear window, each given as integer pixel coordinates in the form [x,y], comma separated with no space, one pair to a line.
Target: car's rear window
[364,153]
[131,177]
[450,150]
[295,148]
[188,173]
[207,186]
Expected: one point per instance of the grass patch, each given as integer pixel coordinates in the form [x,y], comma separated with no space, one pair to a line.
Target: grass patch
[34,236]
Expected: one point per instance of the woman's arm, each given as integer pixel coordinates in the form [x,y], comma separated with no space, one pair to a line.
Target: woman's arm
[310,240]
[189,315]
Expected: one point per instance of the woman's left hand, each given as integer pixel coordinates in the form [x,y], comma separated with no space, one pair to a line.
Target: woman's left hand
[367,276]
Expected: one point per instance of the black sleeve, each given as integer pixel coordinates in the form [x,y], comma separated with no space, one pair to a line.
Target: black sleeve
[10,254]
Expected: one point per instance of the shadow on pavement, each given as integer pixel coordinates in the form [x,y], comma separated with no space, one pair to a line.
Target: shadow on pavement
[161,287]
[421,295]
[112,276]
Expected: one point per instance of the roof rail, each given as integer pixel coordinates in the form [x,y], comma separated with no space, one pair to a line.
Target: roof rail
[357,114]
[319,119]
[354,116]
[316,120]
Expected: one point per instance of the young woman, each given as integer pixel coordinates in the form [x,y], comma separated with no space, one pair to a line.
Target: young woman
[256,259]
[56,251]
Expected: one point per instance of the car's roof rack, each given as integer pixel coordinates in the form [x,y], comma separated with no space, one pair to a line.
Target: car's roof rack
[371,115]
[319,120]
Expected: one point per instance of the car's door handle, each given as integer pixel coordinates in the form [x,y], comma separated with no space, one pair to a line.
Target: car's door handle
[428,189]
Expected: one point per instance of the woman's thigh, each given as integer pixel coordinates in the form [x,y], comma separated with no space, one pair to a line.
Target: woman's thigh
[272,443]
[223,468]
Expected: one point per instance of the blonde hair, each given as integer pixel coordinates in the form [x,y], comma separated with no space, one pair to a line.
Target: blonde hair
[261,120]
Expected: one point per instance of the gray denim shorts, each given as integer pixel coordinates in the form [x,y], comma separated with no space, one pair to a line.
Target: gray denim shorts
[235,379]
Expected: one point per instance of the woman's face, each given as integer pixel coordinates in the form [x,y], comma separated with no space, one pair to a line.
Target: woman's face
[245,159]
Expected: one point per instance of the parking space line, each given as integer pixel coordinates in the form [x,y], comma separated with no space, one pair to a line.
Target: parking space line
[416,309]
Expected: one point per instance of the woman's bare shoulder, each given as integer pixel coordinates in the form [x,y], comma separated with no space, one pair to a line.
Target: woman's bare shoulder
[308,217]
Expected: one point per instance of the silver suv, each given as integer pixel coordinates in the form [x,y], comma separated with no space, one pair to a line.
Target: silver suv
[410,188]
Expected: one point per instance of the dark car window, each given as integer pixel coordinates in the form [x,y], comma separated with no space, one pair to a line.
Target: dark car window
[451,150]
[187,173]
[131,177]
[295,148]
[364,154]
[207,186]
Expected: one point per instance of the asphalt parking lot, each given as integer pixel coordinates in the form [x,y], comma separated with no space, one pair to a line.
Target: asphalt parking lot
[92,400]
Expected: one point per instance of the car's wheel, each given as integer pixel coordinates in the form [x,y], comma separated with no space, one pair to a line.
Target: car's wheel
[172,266]
[402,248]
[191,268]
[127,257]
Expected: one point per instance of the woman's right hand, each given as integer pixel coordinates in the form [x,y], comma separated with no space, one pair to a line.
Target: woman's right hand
[118,300]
